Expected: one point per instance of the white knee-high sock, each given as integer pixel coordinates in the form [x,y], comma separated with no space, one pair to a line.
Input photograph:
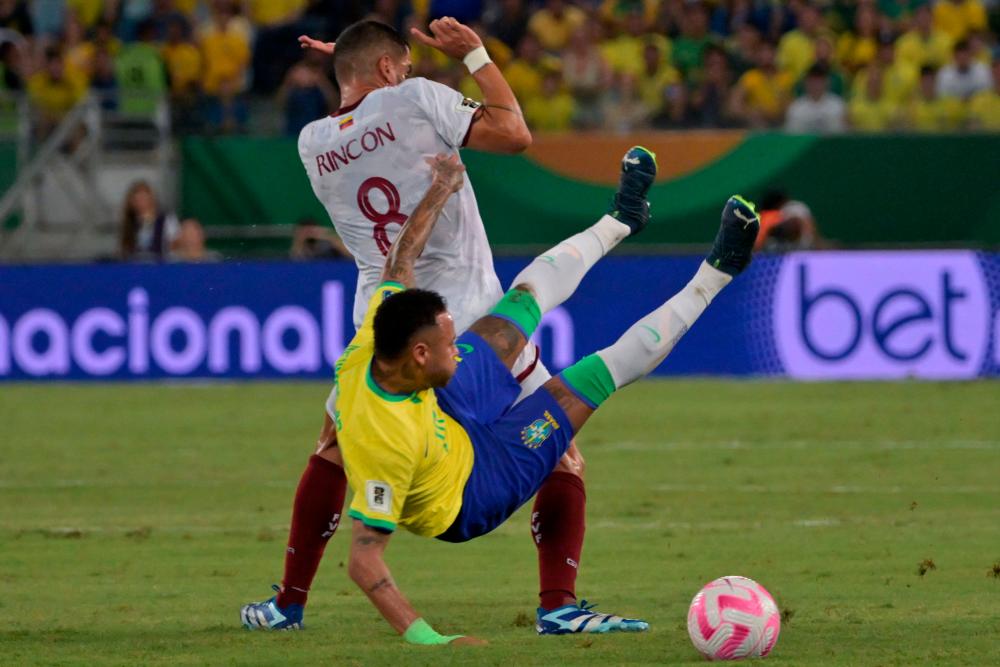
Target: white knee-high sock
[554,275]
[647,343]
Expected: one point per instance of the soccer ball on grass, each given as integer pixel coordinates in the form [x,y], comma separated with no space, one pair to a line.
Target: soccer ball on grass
[733,618]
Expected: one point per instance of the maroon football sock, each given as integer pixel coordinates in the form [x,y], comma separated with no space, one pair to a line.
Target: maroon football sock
[319,501]
[557,525]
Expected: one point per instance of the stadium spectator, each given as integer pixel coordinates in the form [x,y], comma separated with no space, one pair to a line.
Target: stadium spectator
[661,88]
[14,15]
[857,48]
[103,82]
[524,72]
[691,43]
[141,78]
[984,107]
[924,44]
[729,17]
[275,46]
[89,12]
[183,64]
[313,240]
[586,73]
[826,58]
[82,54]
[306,93]
[929,111]
[819,110]
[52,93]
[964,77]
[707,100]
[957,18]
[271,13]
[870,109]
[898,78]
[624,53]
[797,48]
[150,233]
[11,67]
[553,110]
[555,22]
[508,21]
[225,46]
[623,109]
[786,224]
[761,95]
[162,14]
[742,49]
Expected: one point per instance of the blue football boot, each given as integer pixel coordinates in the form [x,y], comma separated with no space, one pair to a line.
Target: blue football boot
[268,615]
[579,618]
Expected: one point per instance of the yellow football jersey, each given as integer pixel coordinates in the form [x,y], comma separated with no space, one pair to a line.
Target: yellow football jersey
[406,460]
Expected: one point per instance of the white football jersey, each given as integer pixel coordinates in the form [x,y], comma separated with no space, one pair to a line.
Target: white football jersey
[367,166]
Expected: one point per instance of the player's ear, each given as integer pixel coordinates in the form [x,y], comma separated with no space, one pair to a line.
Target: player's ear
[384,67]
[421,353]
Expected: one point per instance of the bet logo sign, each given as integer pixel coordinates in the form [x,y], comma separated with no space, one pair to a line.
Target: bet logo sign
[858,315]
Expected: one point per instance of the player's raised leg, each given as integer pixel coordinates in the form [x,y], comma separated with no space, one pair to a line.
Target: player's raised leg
[582,387]
[558,517]
[553,276]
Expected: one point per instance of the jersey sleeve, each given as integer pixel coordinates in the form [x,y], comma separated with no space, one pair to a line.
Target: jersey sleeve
[449,112]
[381,484]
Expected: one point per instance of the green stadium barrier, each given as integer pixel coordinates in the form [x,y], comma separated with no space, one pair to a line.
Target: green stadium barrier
[863,190]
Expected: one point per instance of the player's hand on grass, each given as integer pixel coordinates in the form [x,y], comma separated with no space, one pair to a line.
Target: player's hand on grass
[468,641]
[447,170]
[307,42]
[449,37]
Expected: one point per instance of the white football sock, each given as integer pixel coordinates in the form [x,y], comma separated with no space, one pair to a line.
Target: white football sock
[648,342]
[554,275]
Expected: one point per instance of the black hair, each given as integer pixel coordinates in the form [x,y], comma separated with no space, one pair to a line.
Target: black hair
[818,70]
[401,316]
[962,45]
[361,40]
[928,70]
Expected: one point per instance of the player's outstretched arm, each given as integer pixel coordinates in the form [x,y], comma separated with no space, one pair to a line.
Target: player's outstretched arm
[500,127]
[307,42]
[368,570]
[448,178]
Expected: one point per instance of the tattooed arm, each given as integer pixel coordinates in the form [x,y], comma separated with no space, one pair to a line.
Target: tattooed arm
[369,571]
[413,237]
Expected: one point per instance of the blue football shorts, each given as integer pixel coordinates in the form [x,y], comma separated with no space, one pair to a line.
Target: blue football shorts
[516,447]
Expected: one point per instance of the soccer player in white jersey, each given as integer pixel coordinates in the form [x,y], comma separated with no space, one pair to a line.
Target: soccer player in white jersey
[366,163]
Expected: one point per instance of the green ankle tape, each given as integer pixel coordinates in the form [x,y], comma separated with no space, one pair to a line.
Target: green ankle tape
[590,379]
[519,307]
[420,632]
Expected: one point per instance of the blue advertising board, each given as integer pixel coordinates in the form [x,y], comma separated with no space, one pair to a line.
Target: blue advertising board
[812,316]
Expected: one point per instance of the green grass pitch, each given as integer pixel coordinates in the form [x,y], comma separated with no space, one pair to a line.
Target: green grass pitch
[136,519]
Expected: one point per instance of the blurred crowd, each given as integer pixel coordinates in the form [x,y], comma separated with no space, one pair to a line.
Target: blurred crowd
[618,65]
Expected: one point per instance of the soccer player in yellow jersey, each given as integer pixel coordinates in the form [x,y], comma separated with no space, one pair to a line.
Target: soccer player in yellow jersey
[431,437]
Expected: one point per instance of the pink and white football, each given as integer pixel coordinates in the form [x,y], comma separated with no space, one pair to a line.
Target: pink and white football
[733,618]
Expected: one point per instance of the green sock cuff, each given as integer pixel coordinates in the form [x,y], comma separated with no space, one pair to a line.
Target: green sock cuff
[520,308]
[590,379]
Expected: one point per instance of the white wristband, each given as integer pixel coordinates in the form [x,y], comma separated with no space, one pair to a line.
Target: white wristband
[476,59]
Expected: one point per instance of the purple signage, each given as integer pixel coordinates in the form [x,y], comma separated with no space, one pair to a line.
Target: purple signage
[866,315]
